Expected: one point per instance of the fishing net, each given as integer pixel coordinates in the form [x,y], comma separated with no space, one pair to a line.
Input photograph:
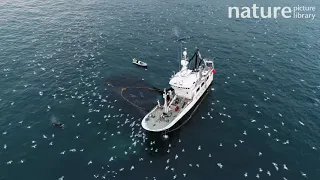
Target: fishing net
[135,92]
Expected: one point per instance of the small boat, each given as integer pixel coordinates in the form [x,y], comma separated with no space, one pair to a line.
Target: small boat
[138,62]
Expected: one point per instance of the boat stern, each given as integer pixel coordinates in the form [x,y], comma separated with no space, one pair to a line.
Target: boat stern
[156,121]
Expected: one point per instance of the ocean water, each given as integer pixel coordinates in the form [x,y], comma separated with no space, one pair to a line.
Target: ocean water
[261,119]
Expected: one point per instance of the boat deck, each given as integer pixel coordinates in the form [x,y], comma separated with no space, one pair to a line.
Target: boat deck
[158,120]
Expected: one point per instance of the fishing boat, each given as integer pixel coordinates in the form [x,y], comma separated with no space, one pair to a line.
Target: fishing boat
[187,88]
[139,63]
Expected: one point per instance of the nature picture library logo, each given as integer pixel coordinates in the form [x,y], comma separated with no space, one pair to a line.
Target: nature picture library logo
[298,12]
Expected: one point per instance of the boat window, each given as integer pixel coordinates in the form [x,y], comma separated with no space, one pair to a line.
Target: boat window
[209,64]
[198,89]
[207,77]
[202,84]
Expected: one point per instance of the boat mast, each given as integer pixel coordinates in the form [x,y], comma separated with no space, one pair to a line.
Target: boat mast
[165,101]
[196,61]
[184,60]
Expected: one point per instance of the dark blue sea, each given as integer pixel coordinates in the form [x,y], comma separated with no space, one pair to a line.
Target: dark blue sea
[67,61]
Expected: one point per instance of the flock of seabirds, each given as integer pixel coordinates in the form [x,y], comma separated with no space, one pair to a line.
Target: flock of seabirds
[136,136]
[136,139]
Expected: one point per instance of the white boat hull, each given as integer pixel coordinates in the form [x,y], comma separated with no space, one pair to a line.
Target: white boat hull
[183,112]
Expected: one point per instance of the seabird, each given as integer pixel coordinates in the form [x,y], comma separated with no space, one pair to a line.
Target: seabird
[220,165]
[269,173]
